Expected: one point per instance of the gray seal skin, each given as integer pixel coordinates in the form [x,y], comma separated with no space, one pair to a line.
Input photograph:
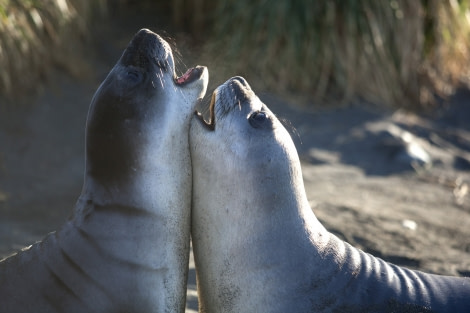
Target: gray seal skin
[126,246]
[258,246]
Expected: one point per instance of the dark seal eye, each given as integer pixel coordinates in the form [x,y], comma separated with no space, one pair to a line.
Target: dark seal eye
[257,119]
[133,77]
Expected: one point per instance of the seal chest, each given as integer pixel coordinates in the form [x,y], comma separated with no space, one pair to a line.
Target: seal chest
[257,245]
[126,246]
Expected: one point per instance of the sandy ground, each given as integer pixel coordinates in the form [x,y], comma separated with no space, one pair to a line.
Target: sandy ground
[359,180]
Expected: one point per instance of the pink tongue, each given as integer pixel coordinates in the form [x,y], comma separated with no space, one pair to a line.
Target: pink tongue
[185,76]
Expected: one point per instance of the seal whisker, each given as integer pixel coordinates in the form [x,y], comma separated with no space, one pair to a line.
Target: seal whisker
[161,80]
[290,128]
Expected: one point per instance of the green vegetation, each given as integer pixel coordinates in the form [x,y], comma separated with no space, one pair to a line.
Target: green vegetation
[35,34]
[394,52]
[400,53]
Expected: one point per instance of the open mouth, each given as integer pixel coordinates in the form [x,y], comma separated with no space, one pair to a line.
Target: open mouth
[211,123]
[191,75]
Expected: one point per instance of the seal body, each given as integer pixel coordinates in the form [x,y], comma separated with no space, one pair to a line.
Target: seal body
[258,246]
[126,246]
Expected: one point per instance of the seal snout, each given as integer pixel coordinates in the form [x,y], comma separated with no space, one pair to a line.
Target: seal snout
[231,94]
[145,48]
[240,80]
[238,89]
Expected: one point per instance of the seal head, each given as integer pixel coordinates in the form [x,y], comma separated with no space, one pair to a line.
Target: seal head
[138,95]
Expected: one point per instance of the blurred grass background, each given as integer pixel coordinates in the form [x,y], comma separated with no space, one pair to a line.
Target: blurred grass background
[39,35]
[397,53]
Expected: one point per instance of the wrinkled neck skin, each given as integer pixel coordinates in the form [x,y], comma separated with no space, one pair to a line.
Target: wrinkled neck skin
[135,202]
[258,246]
[141,222]
[124,249]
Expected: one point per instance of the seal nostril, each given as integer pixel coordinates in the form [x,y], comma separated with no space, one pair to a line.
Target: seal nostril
[238,91]
[241,80]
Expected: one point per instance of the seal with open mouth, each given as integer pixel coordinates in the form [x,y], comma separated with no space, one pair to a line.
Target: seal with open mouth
[258,247]
[126,246]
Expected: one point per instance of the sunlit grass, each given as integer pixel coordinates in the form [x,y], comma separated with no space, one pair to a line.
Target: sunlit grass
[38,34]
[393,52]
[398,53]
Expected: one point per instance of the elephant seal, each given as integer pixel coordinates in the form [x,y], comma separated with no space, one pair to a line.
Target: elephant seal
[258,246]
[126,246]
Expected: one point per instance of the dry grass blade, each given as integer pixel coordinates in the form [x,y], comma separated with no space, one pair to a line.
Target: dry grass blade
[34,36]
[395,52]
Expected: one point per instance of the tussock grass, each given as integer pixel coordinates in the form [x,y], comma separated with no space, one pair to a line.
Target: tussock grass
[394,52]
[398,53]
[38,34]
